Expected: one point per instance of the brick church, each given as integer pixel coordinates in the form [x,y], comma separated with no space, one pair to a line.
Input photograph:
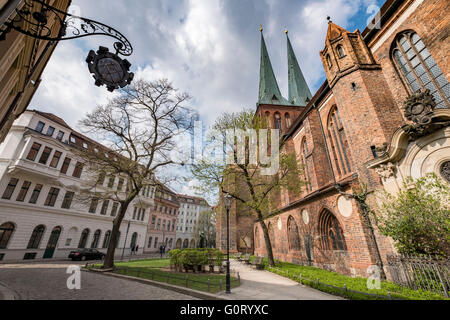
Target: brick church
[353,129]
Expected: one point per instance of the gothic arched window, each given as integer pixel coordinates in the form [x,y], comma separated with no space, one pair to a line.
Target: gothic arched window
[328,61]
[294,238]
[277,121]
[418,68]
[338,143]
[330,232]
[287,118]
[6,231]
[36,237]
[340,51]
[304,156]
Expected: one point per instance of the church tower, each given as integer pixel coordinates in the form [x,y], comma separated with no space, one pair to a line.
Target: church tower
[365,103]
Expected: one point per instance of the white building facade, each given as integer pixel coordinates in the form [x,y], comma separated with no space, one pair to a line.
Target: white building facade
[40,176]
[190,209]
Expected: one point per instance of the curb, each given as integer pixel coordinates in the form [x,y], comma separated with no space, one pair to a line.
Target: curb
[191,292]
[7,294]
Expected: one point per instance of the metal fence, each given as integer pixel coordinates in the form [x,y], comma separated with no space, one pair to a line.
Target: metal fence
[177,279]
[421,272]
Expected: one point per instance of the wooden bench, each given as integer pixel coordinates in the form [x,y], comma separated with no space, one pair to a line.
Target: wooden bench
[258,263]
[246,259]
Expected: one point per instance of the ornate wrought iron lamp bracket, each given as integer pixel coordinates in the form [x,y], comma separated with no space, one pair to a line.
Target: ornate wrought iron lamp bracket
[36,13]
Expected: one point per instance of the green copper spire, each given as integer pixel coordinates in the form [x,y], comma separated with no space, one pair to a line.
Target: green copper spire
[298,88]
[269,92]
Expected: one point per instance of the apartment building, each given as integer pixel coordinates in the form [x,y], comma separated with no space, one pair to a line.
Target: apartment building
[40,178]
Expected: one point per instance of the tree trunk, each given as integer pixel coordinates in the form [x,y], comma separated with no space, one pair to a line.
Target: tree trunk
[109,258]
[268,244]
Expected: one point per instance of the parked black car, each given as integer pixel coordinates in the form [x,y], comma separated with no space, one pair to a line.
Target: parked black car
[86,254]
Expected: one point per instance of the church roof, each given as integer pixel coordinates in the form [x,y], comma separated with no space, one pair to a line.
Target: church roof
[299,91]
[269,92]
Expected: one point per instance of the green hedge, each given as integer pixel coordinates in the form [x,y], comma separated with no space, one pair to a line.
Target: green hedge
[195,257]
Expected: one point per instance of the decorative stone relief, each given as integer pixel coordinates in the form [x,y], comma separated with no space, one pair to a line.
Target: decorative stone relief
[385,170]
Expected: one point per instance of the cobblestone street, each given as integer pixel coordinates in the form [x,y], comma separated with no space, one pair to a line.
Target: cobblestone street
[39,281]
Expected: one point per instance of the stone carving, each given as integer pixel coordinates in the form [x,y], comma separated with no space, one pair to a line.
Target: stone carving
[419,109]
[385,170]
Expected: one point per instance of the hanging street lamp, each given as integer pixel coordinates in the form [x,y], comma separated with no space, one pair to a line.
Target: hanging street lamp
[106,67]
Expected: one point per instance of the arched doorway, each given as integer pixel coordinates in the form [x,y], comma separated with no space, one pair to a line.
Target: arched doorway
[185,243]
[178,245]
[52,243]
[192,245]
[133,240]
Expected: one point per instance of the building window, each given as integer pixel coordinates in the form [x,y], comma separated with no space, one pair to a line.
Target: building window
[78,169]
[111,182]
[328,61]
[114,209]
[6,231]
[293,236]
[418,69]
[158,226]
[67,202]
[36,237]
[134,213]
[287,118]
[83,239]
[164,225]
[104,207]
[156,242]
[153,222]
[65,165]
[72,139]
[305,153]
[330,232]
[173,225]
[120,184]
[45,155]
[33,151]
[340,51]
[277,122]
[93,206]
[60,135]
[10,188]
[40,126]
[23,191]
[35,195]
[168,225]
[106,239]
[143,215]
[96,239]
[55,159]
[50,131]
[338,143]
[51,197]
[85,145]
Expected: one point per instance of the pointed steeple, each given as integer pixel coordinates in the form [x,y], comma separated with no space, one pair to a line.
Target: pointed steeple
[299,93]
[334,31]
[269,92]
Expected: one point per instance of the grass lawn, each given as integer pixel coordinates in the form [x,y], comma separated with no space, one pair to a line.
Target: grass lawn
[310,274]
[151,269]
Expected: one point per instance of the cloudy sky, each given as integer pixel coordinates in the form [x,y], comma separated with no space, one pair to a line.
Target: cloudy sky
[209,48]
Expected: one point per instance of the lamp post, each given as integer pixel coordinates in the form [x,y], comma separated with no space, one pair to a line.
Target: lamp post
[227,204]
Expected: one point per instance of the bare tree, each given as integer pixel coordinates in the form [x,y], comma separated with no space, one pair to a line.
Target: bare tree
[243,180]
[138,129]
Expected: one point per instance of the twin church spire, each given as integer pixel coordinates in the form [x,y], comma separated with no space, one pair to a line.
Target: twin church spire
[269,92]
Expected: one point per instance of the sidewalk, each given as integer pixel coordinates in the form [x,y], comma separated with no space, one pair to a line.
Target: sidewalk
[265,285]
